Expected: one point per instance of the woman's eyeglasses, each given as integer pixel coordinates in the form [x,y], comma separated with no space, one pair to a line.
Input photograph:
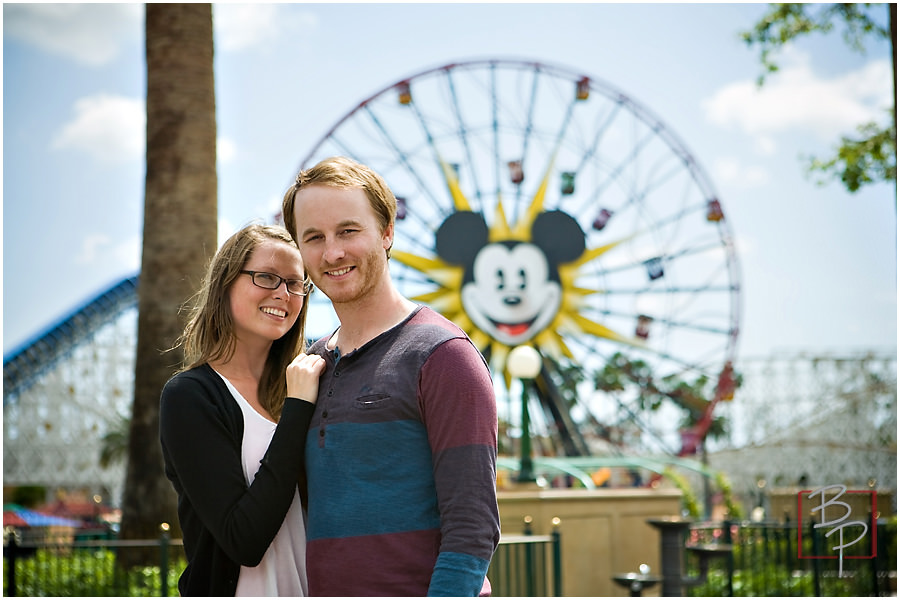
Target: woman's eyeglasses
[270,281]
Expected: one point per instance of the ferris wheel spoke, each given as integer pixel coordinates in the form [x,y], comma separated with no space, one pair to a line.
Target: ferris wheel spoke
[451,177]
[591,150]
[678,218]
[564,126]
[642,261]
[659,177]
[601,315]
[693,250]
[421,246]
[697,365]
[699,289]
[400,156]
[538,202]
[344,148]
[528,126]
[695,327]
[463,134]
[614,175]
[495,125]
[673,360]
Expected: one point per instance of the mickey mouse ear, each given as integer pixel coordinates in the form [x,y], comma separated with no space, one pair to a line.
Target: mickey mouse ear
[460,237]
[558,235]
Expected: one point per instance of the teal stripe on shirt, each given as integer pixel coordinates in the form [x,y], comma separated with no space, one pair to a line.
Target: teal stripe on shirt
[388,460]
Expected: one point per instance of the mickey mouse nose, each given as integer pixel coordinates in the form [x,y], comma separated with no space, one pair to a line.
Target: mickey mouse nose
[512,300]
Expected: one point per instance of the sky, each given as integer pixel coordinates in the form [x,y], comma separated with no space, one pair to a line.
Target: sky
[817,264]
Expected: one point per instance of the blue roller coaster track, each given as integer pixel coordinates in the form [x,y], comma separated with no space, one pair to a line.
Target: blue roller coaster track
[22,366]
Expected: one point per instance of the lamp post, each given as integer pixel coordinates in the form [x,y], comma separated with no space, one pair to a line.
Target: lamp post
[524,363]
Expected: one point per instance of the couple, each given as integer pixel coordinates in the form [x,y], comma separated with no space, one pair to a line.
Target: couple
[387,428]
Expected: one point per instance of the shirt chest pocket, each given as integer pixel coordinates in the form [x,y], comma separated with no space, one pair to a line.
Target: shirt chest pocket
[373,402]
[383,407]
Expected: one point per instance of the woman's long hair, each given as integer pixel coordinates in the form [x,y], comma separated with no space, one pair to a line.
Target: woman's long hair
[209,333]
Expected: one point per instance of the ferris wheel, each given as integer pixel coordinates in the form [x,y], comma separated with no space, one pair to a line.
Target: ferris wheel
[540,206]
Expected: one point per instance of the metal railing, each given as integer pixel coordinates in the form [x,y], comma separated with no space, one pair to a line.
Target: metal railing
[66,565]
[527,565]
[781,559]
[54,565]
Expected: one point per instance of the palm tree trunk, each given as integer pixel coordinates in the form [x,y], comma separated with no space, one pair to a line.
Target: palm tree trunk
[180,215]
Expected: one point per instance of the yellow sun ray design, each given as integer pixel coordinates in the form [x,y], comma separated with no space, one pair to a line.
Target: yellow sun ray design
[460,202]
[446,298]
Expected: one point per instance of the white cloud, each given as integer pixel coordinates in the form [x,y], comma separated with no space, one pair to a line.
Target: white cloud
[100,247]
[93,33]
[110,128]
[113,129]
[765,145]
[90,34]
[239,26]
[91,247]
[730,171]
[796,100]
[242,26]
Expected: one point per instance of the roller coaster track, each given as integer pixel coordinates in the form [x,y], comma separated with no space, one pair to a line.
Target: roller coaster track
[22,366]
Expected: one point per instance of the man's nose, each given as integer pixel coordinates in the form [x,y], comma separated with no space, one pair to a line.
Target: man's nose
[334,251]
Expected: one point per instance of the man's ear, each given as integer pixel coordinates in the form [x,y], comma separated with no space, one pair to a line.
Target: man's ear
[387,237]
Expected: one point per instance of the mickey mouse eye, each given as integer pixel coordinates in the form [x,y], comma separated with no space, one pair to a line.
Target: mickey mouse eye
[523,280]
[500,279]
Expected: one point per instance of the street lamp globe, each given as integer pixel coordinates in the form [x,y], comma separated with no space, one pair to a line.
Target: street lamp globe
[524,362]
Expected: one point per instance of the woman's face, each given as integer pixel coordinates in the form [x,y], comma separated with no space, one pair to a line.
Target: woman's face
[264,315]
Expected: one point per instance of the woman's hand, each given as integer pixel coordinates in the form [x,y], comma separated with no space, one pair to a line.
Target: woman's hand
[303,376]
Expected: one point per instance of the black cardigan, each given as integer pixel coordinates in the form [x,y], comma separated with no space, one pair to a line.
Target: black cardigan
[225,523]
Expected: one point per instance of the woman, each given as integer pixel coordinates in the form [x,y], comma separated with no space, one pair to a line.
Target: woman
[233,422]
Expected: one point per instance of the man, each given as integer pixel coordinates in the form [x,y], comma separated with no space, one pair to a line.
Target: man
[402,448]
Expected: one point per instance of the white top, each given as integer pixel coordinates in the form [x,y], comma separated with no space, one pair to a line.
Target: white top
[282,571]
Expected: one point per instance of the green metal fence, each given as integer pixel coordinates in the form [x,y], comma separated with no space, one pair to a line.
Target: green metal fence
[524,565]
[527,565]
[766,561]
[779,559]
[57,565]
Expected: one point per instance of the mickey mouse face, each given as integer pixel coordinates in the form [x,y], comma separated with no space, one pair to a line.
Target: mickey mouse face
[511,289]
[510,296]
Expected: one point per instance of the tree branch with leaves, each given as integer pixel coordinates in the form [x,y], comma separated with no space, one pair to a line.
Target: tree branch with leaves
[695,397]
[869,156]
